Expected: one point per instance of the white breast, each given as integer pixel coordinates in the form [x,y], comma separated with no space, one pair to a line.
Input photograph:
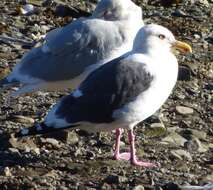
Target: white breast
[147,103]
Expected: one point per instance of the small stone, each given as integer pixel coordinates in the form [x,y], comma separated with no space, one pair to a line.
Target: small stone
[112,179]
[174,139]
[13,150]
[72,138]
[138,187]
[197,36]
[35,2]
[7,172]
[179,13]
[184,110]
[27,9]
[36,150]
[66,136]
[184,73]
[181,154]
[22,119]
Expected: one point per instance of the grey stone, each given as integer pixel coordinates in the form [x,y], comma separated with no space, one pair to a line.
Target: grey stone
[181,154]
[184,110]
[174,139]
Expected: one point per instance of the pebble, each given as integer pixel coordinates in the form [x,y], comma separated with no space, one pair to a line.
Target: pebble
[7,172]
[179,13]
[139,187]
[22,119]
[112,179]
[181,154]
[27,9]
[71,137]
[184,110]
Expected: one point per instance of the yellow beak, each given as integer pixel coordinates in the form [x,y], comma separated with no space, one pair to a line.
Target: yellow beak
[182,46]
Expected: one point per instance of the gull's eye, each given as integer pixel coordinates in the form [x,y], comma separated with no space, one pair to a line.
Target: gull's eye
[161,36]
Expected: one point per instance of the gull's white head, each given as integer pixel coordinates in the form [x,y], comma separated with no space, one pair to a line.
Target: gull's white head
[155,38]
[113,10]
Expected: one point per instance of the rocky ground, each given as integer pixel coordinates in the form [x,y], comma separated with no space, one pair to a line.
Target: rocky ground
[179,137]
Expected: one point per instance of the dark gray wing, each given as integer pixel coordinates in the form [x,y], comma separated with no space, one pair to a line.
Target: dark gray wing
[69,50]
[108,88]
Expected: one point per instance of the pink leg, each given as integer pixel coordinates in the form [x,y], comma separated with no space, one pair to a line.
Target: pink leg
[117,154]
[133,158]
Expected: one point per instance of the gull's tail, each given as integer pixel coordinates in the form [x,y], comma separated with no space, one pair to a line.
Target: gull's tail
[39,129]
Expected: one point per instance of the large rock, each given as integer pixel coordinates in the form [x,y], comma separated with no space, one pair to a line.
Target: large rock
[174,139]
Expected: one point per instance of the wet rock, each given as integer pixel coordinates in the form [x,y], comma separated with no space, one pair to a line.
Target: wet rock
[174,139]
[181,154]
[184,110]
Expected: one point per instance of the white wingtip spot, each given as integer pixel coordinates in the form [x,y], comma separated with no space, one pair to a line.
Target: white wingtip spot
[77,93]
[24,131]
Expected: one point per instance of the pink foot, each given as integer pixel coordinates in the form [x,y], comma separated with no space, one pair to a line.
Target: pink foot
[122,156]
[143,164]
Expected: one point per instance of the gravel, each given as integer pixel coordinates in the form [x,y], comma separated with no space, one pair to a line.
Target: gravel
[180,140]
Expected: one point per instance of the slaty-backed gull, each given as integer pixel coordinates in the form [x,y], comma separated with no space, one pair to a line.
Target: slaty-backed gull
[121,93]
